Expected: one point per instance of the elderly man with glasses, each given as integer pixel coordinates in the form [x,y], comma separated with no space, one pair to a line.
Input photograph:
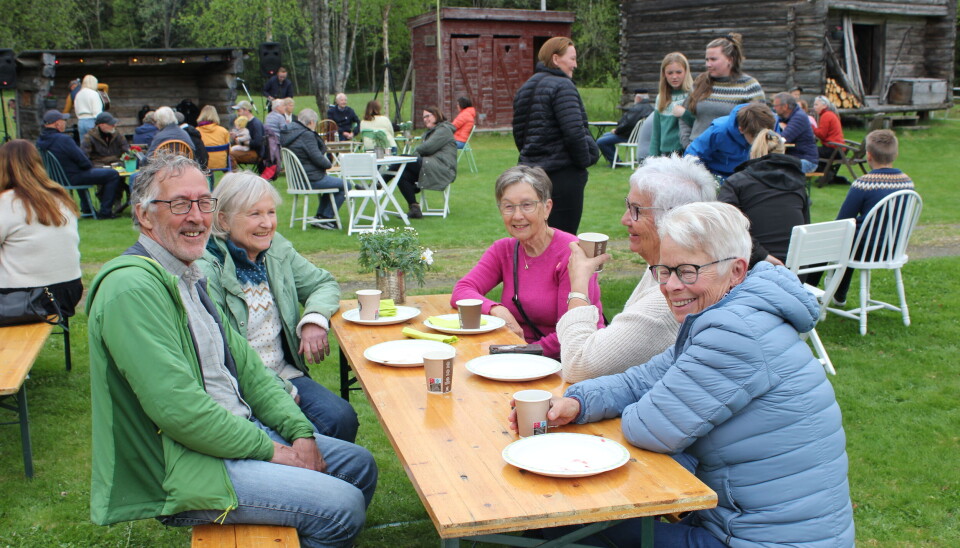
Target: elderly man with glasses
[645,327]
[188,425]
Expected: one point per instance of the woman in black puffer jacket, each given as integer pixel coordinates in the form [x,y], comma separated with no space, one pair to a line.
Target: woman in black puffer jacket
[551,132]
[770,189]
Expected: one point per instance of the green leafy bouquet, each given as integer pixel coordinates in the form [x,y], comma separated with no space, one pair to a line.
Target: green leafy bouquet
[395,249]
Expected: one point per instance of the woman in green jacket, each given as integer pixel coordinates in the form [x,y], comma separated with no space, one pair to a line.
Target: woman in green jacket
[259,281]
[436,165]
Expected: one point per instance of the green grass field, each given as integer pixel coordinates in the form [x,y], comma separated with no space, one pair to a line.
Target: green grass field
[897,386]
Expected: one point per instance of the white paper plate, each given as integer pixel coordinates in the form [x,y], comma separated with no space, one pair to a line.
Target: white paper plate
[566,455]
[493,323]
[404,353]
[513,367]
[404,313]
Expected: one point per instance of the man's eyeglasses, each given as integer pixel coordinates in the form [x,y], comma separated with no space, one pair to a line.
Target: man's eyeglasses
[506,208]
[634,209]
[182,207]
[686,273]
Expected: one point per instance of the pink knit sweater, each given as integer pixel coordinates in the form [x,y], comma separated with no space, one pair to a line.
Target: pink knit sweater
[544,285]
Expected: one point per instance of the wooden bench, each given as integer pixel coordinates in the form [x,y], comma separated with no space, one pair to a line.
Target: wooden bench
[19,347]
[244,536]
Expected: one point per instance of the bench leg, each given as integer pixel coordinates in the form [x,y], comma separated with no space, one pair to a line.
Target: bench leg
[25,431]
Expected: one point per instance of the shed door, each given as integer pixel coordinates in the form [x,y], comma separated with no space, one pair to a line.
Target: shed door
[508,76]
[465,77]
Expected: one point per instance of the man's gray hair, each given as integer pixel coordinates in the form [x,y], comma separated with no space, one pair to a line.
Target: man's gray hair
[308,116]
[786,99]
[238,192]
[533,176]
[672,181]
[164,117]
[717,229]
[146,185]
[276,103]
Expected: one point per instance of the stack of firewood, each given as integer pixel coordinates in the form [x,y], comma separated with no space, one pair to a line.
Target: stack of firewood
[840,97]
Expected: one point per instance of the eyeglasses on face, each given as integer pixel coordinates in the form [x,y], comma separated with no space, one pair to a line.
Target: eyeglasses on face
[635,209]
[686,273]
[529,206]
[182,207]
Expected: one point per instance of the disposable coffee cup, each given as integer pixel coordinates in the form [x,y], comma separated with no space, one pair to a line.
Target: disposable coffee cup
[593,244]
[369,300]
[469,310]
[532,407]
[438,369]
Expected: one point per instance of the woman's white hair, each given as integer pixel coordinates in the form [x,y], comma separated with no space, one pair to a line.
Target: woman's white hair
[164,117]
[308,116]
[672,181]
[720,230]
[237,192]
[90,82]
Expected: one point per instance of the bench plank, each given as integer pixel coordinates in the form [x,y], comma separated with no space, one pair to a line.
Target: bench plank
[19,347]
[244,536]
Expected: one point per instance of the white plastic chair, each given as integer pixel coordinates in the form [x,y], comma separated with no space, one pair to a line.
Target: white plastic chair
[467,151]
[821,247]
[361,186]
[298,185]
[630,148]
[881,244]
[435,212]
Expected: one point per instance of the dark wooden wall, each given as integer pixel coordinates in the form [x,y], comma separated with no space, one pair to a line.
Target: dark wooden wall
[487,55]
[155,79]
[784,39]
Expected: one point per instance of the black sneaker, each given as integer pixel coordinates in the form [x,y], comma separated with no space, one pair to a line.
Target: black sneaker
[415,212]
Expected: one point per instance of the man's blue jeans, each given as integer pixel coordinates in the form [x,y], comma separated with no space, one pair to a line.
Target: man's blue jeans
[328,181]
[608,144]
[330,414]
[326,509]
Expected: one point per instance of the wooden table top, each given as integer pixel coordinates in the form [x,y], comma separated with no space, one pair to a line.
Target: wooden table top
[19,346]
[450,445]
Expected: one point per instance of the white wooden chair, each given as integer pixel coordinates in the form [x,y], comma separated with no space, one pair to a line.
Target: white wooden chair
[298,185]
[467,151]
[435,212]
[821,247]
[630,149]
[881,244]
[362,188]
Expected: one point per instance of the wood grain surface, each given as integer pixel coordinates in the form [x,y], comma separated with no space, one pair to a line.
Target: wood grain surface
[19,346]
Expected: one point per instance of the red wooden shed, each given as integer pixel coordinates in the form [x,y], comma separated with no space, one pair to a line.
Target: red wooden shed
[485,54]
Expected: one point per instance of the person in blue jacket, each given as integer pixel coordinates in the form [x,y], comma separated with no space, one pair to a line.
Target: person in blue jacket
[794,125]
[726,143]
[739,399]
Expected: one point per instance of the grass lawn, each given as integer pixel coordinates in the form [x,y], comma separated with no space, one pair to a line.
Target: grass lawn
[897,386]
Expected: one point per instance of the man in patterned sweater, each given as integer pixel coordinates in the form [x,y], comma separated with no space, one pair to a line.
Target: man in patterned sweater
[868,190]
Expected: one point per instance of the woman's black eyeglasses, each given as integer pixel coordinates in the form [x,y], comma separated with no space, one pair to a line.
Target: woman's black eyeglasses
[686,273]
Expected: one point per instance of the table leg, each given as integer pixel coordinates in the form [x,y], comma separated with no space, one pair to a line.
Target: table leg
[389,198]
[344,377]
[449,543]
[25,430]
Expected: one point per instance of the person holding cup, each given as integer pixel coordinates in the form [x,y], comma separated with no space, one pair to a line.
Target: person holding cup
[260,281]
[645,327]
[739,400]
[531,264]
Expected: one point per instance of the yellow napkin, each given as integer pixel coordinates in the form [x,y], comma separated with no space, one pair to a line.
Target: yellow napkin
[387,307]
[414,334]
[450,323]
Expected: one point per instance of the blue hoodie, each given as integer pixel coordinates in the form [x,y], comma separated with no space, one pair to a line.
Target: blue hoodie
[721,148]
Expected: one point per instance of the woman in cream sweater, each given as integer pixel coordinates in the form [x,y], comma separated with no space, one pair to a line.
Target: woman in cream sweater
[645,327]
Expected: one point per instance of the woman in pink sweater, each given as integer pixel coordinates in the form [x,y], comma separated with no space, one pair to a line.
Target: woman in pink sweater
[535,259]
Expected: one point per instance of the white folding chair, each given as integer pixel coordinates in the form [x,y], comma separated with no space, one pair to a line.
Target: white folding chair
[821,247]
[298,185]
[467,151]
[361,186]
[435,212]
[881,244]
[630,148]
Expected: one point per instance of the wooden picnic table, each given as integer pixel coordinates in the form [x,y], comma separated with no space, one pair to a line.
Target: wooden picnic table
[450,445]
[19,347]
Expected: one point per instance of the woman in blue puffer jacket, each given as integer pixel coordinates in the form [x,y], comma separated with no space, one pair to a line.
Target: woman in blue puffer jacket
[739,396]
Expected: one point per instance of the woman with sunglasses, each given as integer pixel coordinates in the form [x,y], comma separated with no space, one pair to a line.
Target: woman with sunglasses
[645,327]
[739,399]
[531,264]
